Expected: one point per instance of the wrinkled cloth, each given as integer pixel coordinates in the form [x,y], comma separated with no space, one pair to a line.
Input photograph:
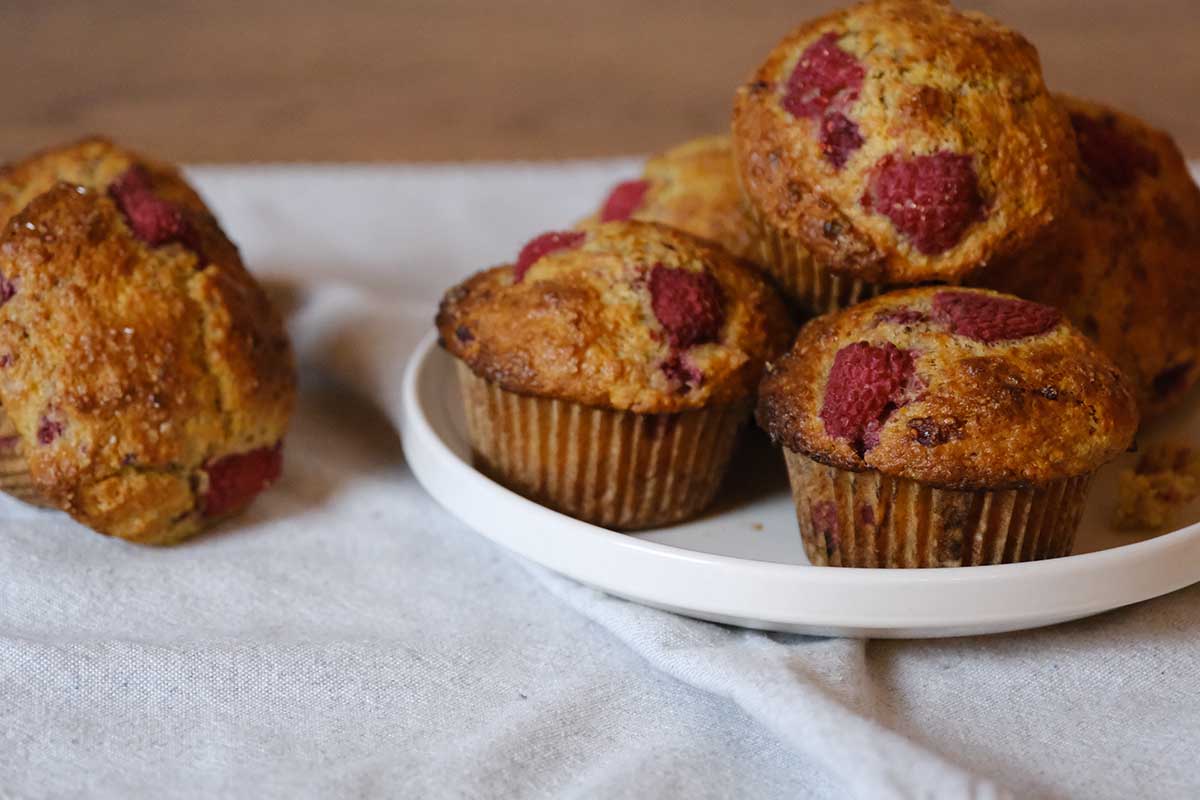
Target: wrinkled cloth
[348,637]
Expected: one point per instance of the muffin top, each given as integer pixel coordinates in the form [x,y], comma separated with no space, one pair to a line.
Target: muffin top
[631,316]
[144,368]
[1124,263]
[903,141]
[958,388]
[692,187]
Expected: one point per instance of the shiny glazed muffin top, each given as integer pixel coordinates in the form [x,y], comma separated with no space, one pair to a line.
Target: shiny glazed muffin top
[630,316]
[959,388]
[903,141]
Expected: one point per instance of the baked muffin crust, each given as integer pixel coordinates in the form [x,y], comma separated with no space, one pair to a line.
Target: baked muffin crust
[629,316]
[903,141]
[955,388]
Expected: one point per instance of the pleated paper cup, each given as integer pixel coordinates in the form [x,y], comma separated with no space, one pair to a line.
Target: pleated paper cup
[14,469]
[866,519]
[617,469]
[810,286]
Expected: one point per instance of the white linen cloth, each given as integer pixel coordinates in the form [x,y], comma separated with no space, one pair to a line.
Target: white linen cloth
[347,637]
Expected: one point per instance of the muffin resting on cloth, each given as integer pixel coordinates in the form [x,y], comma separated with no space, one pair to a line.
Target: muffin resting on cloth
[607,371]
[941,427]
[898,142]
[691,187]
[143,369]
[1124,264]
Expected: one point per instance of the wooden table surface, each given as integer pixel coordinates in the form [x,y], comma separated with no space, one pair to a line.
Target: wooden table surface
[242,80]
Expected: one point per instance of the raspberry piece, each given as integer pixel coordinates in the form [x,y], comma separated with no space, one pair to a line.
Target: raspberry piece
[987,319]
[932,200]
[826,75]
[48,430]
[687,304]
[234,480]
[1111,158]
[624,199]
[825,523]
[866,384]
[680,370]
[839,138]
[542,245]
[153,220]
[8,290]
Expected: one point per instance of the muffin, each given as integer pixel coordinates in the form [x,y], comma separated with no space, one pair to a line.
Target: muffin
[143,372]
[898,142]
[691,187]
[941,426]
[1124,263]
[606,372]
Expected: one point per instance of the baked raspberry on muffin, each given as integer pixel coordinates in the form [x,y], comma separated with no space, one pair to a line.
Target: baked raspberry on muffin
[691,187]
[145,372]
[941,426]
[607,371]
[1124,262]
[898,142]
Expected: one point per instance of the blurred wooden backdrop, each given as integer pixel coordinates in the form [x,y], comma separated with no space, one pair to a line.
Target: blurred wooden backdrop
[240,80]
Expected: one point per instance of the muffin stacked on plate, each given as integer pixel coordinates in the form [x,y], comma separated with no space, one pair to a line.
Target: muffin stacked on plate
[607,371]
[877,149]
[146,380]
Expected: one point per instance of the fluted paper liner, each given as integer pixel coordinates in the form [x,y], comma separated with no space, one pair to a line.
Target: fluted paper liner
[866,519]
[806,283]
[612,468]
[14,469]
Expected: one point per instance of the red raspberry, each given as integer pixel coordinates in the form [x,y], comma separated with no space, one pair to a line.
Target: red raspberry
[825,75]
[839,138]
[825,523]
[48,430]
[1111,158]
[681,372]
[866,384]
[687,304]
[986,318]
[153,220]
[8,290]
[624,200]
[542,245]
[932,200]
[233,481]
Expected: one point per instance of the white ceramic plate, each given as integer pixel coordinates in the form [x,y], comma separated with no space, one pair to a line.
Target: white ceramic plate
[743,563]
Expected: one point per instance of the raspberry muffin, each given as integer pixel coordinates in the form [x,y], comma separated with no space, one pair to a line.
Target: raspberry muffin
[898,142]
[607,371]
[143,372]
[943,427]
[691,187]
[1124,264]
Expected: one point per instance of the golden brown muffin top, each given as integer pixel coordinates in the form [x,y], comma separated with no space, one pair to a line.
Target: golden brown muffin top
[631,316]
[1124,263]
[958,388]
[692,187]
[144,368]
[903,141]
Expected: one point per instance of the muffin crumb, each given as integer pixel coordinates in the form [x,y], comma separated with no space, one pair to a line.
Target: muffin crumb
[1166,477]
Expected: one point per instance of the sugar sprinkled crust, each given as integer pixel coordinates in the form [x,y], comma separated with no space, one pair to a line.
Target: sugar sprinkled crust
[637,317]
[889,385]
[1124,263]
[692,187]
[143,366]
[903,141]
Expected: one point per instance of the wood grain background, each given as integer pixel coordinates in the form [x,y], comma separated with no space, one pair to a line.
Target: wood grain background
[243,80]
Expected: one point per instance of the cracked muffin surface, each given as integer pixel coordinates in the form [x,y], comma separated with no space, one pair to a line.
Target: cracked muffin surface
[145,370]
[629,316]
[902,141]
[1124,263]
[956,388]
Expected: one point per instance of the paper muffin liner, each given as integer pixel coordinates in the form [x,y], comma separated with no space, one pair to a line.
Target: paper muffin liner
[617,469]
[14,469]
[866,519]
[813,288]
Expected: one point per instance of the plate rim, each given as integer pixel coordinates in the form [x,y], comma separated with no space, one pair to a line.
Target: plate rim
[428,454]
